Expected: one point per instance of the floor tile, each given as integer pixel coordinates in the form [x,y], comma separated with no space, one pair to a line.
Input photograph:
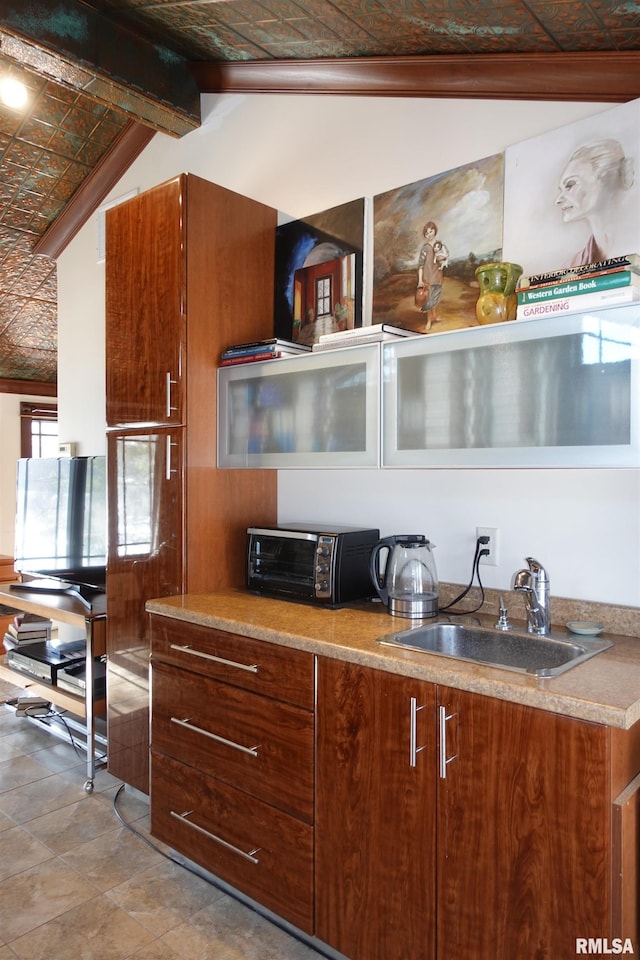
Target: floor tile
[227,929]
[112,858]
[39,894]
[164,896]
[22,769]
[69,827]
[96,930]
[38,798]
[20,851]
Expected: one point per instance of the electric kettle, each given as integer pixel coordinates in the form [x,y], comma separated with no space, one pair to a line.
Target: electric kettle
[408,586]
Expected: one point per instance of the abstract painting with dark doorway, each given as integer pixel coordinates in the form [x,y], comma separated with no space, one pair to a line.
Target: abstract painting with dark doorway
[318,282]
[428,239]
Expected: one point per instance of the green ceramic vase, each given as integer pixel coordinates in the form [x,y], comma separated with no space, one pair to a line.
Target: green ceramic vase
[497,302]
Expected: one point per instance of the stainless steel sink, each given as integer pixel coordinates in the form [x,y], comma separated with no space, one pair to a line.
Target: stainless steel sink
[510,649]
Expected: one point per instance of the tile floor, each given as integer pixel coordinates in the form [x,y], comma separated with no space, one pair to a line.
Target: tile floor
[75,884]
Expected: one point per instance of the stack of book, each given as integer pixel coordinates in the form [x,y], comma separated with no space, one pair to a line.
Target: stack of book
[262,350]
[351,338]
[591,286]
[27,628]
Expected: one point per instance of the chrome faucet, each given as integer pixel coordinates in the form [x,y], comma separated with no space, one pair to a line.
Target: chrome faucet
[533,584]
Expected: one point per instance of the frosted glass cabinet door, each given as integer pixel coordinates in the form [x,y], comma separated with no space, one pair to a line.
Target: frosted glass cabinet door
[560,391]
[316,410]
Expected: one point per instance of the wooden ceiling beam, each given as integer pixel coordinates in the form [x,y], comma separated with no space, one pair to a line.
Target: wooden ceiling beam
[612,77]
[81,48]
[35,388]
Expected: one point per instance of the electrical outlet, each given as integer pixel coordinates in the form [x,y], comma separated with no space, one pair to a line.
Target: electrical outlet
[491,559]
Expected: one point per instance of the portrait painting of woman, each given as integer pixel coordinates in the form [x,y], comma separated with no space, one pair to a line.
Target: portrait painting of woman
[572,196]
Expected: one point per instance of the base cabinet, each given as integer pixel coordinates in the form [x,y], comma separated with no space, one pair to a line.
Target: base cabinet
[390,817]
[524,841]
[498,842]
[232,761]
[375,814]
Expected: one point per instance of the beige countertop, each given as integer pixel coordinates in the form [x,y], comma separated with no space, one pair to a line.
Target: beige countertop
[604,689]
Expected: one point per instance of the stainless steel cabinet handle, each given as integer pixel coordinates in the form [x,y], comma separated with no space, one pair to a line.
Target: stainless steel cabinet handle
[169,383]
[250,667]
[444,759]
[414,749]
[253,751]
[184,818]
[168,458]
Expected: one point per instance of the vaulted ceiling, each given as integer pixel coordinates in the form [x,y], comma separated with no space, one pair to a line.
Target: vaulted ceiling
[102,77]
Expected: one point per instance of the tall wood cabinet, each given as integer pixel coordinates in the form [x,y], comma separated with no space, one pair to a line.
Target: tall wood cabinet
[189,270]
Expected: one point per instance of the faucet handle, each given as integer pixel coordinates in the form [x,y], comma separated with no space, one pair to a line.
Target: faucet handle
[537,570]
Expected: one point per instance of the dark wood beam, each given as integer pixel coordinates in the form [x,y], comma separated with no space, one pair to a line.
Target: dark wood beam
[34,388]
[82,48]
[612,77]
[93,190]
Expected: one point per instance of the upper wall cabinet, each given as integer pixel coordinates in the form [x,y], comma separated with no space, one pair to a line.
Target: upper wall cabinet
[561,391]
[316,410]
[146,307]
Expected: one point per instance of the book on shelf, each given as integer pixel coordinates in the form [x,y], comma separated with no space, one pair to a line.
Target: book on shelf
[12,642]
[630,261]
[584,303]
[372,330]
[579,286]
[358,338]
[28,626]
[270,345]
[255,357]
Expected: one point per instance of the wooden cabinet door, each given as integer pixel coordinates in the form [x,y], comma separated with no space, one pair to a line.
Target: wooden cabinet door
[523,831]
[145,307]
[375,815]
[144,560]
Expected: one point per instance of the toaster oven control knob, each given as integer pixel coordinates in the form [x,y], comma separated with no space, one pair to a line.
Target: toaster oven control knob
[322,586]
[322,568]
[323,551]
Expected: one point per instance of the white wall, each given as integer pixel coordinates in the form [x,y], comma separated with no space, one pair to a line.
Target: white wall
[583,525]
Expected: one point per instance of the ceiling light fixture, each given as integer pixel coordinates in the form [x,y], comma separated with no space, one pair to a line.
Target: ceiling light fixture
[13,93]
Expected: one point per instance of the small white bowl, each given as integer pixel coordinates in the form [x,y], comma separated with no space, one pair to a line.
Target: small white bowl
[586,628]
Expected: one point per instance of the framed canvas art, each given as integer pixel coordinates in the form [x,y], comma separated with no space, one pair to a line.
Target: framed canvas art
[318,281]
[572,195]
[428,239]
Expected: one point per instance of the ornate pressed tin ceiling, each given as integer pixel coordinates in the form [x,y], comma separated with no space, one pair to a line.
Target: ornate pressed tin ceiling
[91,68]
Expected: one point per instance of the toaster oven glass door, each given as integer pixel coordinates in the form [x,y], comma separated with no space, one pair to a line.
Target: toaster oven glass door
[284,565]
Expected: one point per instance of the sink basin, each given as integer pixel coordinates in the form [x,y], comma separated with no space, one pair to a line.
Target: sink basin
[510,649]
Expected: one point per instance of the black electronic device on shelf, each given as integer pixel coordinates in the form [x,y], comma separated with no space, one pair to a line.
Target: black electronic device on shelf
[61,525]
[41,661]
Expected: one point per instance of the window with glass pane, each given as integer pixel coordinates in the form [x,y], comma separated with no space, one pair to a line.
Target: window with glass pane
[323,297]
[39,430]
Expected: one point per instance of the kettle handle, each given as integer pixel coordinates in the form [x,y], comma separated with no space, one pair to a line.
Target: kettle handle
[381,585]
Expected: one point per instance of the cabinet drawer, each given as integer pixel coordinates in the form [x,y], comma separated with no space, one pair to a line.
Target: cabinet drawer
[266,668]
[260,745]
[261,851]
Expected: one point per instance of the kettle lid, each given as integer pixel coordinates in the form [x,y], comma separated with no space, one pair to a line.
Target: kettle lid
[413,539]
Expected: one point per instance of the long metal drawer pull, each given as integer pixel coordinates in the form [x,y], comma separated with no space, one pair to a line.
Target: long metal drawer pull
[250,667]
[444,759]
[184,818]
[214,736]
[414,749]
